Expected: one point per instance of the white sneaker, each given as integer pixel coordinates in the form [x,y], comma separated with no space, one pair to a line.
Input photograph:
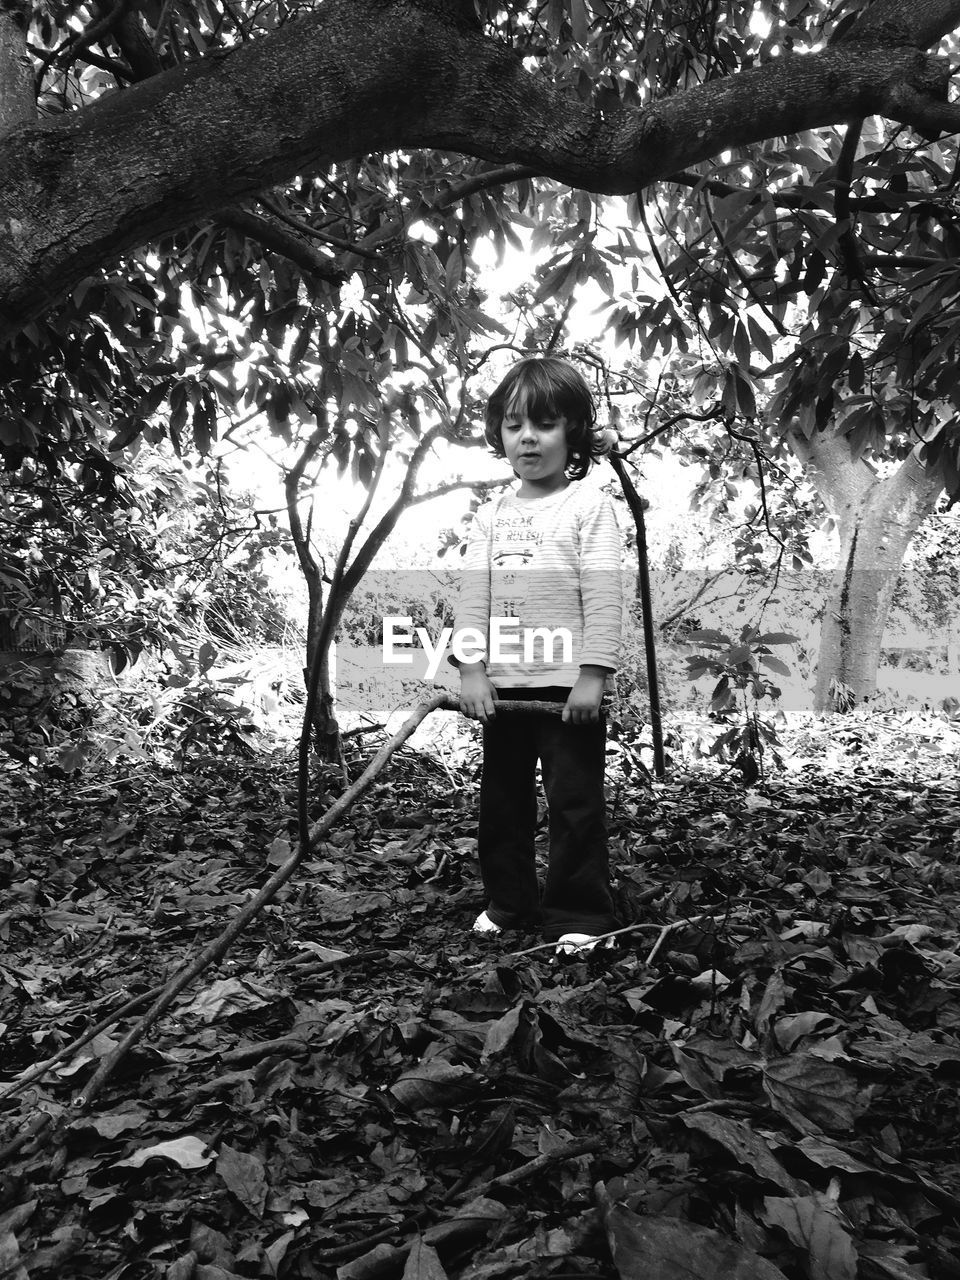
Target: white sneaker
[573,944]
[483,924]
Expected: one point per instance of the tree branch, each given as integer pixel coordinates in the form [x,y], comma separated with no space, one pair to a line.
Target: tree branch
[800,198]
[361,76]
[74,45]
[849,245]
[275,237]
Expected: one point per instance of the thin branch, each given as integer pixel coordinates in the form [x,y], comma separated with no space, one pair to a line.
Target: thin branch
[741,275]
[658,259]
[758,457]
[710,416]
[75,44]
[304,229]
[848,242]
[218,947]
[797,198]
[161,23]
[280,241]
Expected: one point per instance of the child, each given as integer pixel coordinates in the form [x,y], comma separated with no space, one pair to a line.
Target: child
[548,555]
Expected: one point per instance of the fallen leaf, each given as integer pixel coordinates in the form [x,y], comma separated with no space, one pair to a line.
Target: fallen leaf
[423,1263]
[11,1267]
[188,1152]
[747,1147]
[222,998]
[245,1176]
[13,1219]
[813,1095]
[814,1228]
[648,1246]
[434,1083]
[99,1047]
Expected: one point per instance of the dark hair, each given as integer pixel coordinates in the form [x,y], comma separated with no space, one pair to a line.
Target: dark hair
[548,387]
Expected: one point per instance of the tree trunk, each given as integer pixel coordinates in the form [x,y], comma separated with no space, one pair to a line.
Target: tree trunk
[876,519]
[17,105]
[326,730]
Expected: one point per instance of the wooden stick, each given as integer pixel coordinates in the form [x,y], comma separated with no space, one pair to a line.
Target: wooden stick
[544,946]
[217,948]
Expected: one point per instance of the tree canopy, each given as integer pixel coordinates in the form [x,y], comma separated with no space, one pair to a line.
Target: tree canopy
[226,104]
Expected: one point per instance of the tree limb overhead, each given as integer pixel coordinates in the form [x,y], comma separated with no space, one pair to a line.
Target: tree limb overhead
[362,76]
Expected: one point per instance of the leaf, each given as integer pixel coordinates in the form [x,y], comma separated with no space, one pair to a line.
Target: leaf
[112,1124]
[814,1228]
[579,21]
[11,1267]
[813,1094]
[188,1152]
[17,1217]
[99,1047]
[795,1026]
[746,1147]
[321,1193]
[423,1263]
[774,998]
[222,998]
[434,1083]
[207,656]
[501,1032]
[183,1268]
[245,1177]
[708,636]
[672,1249]
[774,664]
[278,851]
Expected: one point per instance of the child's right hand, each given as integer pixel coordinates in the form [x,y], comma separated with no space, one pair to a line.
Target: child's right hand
[478,697]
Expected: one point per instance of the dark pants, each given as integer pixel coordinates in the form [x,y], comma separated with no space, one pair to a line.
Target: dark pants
[576,895]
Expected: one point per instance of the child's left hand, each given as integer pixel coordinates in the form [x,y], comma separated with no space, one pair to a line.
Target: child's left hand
[583,704]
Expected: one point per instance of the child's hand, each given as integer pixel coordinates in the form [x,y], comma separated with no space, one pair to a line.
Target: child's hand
[583,703]
[478,697]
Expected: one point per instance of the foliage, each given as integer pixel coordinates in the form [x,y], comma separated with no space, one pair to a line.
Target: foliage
[161,572]
[762,1070]
[738,664]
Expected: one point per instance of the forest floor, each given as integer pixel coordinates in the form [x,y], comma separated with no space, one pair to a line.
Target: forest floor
[759,1082]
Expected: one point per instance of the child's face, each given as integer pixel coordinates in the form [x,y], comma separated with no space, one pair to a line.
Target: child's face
[537,451]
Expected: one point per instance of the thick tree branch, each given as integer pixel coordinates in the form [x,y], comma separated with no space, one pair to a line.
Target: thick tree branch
[918,22]
[135,45]
[361,76]
[930,116]
[843,481]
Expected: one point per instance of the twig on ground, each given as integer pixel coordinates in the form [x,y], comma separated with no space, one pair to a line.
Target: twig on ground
[218,947]
[546,946]
[569,1151]
[215,950]
[301,966]
[68,1050]
[666,931]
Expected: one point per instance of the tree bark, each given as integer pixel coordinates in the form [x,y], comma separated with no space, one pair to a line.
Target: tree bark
[360,76]
[876,519]
[17,105]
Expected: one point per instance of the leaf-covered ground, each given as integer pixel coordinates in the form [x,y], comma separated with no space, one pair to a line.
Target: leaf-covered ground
[759,1082]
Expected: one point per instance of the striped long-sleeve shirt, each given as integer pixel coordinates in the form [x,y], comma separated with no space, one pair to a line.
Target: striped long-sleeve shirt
[552,563]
